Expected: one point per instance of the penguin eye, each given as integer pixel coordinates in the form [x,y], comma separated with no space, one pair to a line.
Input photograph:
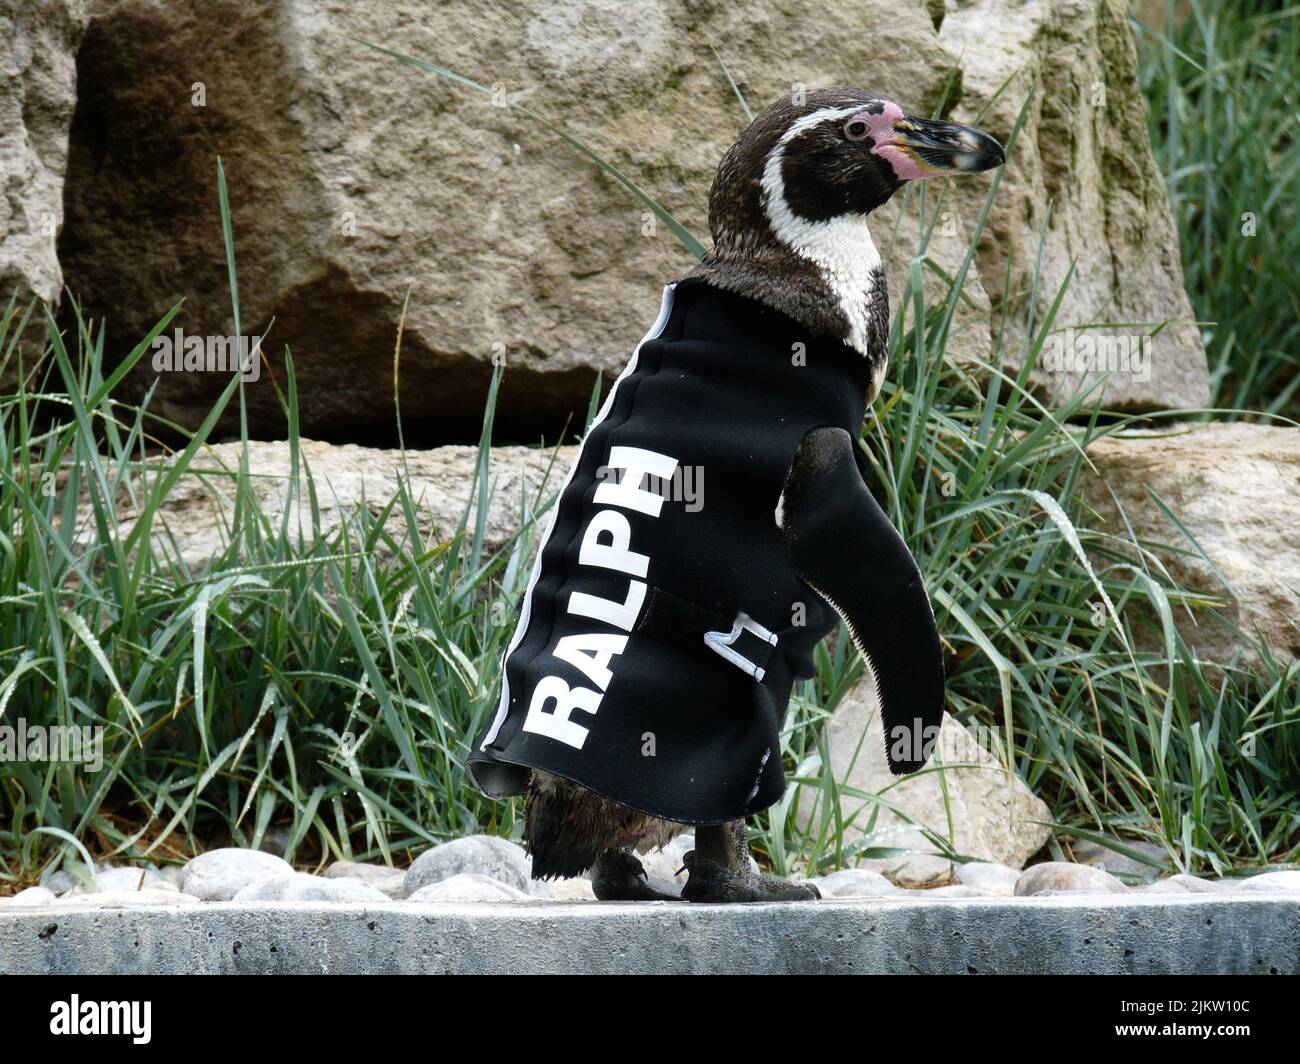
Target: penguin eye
[856,129]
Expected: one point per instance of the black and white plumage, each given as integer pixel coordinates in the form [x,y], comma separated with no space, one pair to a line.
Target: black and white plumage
[646,683]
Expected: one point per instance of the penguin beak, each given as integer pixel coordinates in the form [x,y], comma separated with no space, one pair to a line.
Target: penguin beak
[939,148]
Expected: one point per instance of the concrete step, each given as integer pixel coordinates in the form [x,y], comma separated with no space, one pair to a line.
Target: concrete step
[1063,934]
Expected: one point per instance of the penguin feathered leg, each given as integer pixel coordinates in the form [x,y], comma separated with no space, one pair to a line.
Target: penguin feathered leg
[841,543]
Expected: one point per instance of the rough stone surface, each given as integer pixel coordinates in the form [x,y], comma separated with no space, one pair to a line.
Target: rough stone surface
[987,876]
[301,887]
[995,817]
[1083,156]
[1233,485]
[390,881]
[38,83]
[219,875]
[486,855]
[1130,933]
[354,178]
[1060,877]
[197,512]
[468,886]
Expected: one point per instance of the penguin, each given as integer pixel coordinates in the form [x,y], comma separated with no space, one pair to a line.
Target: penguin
[646,683]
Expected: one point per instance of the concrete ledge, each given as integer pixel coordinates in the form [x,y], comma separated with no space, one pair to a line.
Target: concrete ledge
[1064,934]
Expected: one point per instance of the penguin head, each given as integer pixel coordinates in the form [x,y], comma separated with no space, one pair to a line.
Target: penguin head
[789,204]
[834,153]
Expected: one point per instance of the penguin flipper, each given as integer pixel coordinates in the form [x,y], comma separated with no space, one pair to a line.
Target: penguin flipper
[840,542]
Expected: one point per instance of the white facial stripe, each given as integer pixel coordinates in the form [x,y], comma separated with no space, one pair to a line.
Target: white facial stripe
[841,246]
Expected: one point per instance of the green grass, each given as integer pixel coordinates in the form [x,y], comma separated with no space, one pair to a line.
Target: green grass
[331,684]
[1223,91]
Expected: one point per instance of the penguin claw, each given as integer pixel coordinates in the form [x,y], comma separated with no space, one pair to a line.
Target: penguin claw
[618,876]
[711,881]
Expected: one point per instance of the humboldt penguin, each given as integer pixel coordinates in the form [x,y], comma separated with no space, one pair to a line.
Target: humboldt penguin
[646,683]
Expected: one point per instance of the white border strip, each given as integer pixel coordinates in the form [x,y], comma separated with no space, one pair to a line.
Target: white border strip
[503,707]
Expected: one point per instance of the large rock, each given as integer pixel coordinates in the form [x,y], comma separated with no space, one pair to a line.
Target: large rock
[994,815]
[1233,486]
[353,178]
[197,512]
[38,82]
[1083,168]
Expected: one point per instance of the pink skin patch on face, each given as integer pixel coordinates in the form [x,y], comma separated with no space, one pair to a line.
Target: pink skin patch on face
[881,130]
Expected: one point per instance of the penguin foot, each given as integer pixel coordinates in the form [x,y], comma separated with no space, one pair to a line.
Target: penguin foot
[618,876]
[713,881]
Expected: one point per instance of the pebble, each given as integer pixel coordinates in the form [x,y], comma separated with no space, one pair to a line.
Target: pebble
[997,879]
[1086,852]
[1060,877]
[126,899]
[172,874]
[485,855]
[31,898]
[121,878]
[855,883]
[299,886]
[1185,884]
[1270,883]
[952,890]
[468,886]
[571,890]
[59,882]
[219,875]
[389,881]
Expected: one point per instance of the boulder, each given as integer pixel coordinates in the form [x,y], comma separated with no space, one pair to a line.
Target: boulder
[1083,181]
[994,815]
[355,179]
[196,514]
[38,91]
[1233,486]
